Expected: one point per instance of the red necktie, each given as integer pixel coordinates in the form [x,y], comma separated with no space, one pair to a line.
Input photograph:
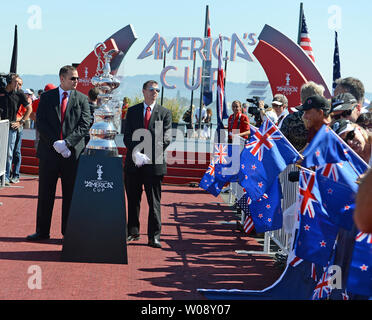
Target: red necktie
[147,117]
[63,110]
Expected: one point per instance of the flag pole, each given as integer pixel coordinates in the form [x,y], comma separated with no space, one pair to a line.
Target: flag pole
[192,91]
[300,23]
[224,79]
[13,63]
[162,88]
[202,78]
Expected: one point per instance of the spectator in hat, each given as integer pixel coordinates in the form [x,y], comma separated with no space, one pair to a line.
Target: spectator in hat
[357,138]
[345,106]
[316,113]
[280,107]
[293,126]
[355,87]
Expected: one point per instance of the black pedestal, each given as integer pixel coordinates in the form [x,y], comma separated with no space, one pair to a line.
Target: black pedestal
[96,227]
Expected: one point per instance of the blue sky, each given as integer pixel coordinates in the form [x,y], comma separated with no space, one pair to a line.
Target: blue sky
[60,33]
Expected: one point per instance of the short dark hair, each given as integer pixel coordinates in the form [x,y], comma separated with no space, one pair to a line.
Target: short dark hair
[353,86]
[65,70]
[147,83]
[93,94]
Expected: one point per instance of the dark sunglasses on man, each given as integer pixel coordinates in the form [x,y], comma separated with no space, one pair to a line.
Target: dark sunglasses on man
[74,78]
[343,114]
[154,89]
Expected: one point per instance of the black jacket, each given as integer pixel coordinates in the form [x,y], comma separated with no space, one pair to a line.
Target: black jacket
[159,137]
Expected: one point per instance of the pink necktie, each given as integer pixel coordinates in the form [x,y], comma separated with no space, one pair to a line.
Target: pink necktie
[147,117]
[63,110]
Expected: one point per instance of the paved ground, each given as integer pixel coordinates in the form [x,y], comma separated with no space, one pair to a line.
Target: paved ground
[198,252]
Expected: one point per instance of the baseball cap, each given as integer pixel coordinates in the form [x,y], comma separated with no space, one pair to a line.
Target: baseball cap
[49,86]
[343,101]
[28,91]
[279,100]
[342,126]
[315,102]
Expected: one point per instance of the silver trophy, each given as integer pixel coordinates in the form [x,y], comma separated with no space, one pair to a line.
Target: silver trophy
[103,131]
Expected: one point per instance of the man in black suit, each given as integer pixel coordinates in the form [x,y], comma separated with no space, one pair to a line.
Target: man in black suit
[63,120]
[147,134]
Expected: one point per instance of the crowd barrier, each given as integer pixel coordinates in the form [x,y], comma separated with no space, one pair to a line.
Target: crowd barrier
[4,134]
[283,237]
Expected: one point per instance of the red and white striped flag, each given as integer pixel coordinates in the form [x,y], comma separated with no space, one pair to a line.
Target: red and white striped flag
[305,42]
[248,224]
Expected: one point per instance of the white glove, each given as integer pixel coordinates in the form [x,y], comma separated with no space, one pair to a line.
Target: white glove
[66,153]
[60,146]
[140,159]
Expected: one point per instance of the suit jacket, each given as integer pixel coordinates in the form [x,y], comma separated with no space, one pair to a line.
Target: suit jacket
[159,130]
[75,126]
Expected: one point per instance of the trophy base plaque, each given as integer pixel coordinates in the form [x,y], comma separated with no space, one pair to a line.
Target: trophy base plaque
[96,227]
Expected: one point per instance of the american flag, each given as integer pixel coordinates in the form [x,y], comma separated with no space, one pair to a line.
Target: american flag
[336,64]
[305,42]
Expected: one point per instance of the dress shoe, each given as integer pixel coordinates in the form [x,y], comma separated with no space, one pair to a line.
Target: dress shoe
[133,237]
[155,243]
[37,236]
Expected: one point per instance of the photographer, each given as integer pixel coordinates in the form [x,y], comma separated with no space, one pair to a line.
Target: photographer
[260,111]
[238,122]
[10,101]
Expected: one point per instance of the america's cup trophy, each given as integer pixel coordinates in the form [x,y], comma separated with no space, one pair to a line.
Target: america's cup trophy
[96,226]
[103,131]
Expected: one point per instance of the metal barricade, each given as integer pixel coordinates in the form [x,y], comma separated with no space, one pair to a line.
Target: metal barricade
[4,135]
[280,237]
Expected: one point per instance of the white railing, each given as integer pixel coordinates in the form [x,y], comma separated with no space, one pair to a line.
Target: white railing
[4,135]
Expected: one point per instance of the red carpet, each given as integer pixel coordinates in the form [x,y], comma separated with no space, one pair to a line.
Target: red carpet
[198,252]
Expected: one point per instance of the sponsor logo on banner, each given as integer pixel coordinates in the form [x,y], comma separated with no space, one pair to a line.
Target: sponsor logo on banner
[86,80]
[99,185]
[287,89]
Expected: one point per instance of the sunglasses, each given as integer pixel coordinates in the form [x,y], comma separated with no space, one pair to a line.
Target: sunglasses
[343,114]
[74,78]
[350,136]
[154,89]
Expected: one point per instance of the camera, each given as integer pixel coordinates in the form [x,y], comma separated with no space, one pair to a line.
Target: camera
[255,109]
[3,80]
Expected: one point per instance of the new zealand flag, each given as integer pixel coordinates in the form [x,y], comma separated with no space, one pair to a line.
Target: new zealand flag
[317,234]
[263,158]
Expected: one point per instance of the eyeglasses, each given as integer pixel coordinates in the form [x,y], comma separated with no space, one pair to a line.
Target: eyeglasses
[74,78]
[343,114]
[350,136]
[154,89]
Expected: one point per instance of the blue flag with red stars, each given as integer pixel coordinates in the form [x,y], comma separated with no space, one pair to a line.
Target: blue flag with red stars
[360,272]
[209,182]
[266,212]
[264,157]
[317,234]
[338,200]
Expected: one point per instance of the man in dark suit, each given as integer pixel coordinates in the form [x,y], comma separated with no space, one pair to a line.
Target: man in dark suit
[63,120]
[147,134]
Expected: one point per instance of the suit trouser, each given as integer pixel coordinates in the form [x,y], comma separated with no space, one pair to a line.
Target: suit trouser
[49,172]
[133,187]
